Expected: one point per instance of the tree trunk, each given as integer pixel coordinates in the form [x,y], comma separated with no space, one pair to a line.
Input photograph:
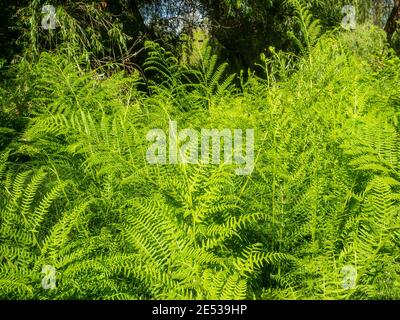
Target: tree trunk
[391,24]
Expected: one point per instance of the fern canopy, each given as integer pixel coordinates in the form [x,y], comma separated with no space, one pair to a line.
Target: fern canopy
[77,194]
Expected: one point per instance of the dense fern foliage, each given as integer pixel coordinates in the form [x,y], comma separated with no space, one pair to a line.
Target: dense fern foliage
[77,193]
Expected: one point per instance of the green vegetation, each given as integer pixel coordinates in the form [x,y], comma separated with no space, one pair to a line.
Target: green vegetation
[77,193]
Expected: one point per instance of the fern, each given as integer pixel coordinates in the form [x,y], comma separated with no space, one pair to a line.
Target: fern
[310,29]
[77,193]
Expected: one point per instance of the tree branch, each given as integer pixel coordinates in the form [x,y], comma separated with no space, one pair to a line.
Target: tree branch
[391,25]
